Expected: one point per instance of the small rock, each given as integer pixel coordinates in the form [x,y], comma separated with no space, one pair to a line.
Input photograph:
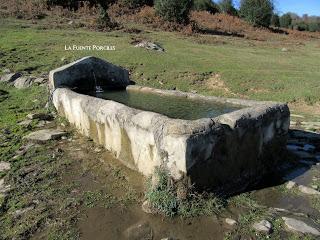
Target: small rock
[23,150]
[26,122]
[303,154]
[182,191]
[147,208]
[4,166]
[97,150]
[40,80]
[41,124]
[263,226]
[306,162]
[308,190]
[292,147]
[139,231]
[299,226]
[64,138]
[150,46]
[290,185]
[230,221]
[8,78]
[284,50]
[47,105]
[40,116]
[20,212]
[45,135]
[4,188]
[23,82]
[309,148]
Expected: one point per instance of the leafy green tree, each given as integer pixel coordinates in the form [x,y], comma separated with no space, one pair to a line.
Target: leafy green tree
[174,10]
[205,5]
[275,20]
[226,6]
[257,12]
[285,20]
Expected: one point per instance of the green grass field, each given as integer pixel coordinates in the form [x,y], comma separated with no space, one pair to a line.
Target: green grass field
[213,65]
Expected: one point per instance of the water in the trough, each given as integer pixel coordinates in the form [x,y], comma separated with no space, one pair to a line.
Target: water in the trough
[173,107]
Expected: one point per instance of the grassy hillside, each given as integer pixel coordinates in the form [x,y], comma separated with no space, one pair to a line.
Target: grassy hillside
[218,65]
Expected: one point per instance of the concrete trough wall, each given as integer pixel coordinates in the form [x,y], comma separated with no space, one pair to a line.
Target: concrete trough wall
[223,153]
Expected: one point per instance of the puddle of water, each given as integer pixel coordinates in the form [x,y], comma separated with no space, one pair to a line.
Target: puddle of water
[173,107]
[99,172]
[100,223]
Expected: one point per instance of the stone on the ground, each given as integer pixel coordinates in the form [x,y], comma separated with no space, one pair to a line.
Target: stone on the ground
[39,116]
[20,212]
[4,188]
[263,226]
[308,190]
[4,166]
[42,123]
[290,185]
[303,154]
[147,208]
[309,147]
[26,122]
[293,147]
[23,149]
[299,226]
[40,80]
[230,221]
[150,46]
[139,231]
[8,78]
[23,82]
[45,135]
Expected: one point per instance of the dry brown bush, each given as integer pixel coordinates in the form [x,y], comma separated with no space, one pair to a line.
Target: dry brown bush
[27,9]
[230,25]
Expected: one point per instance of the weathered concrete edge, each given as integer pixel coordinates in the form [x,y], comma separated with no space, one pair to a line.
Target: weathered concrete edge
[177,93]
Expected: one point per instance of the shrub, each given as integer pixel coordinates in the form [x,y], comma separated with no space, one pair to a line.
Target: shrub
[136,3]
[314,26]
[226,6]
[257,12]
[275,20]
[205,5]
[167,198]
[174,10]
[301,26]
[285,20]
[71,4]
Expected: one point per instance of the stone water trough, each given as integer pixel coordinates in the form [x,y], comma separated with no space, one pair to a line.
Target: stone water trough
[226,152]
